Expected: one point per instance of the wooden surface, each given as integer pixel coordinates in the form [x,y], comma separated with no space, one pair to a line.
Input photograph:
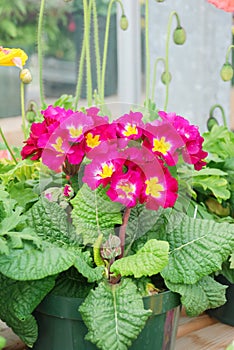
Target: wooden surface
[198,333]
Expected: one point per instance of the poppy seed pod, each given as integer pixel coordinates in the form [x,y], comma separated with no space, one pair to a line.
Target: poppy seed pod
[226,72]
[123,22]
[166,77]
[179,36]
[25,76]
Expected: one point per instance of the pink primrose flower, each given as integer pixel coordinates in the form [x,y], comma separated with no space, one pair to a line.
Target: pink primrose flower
[164,141]
[76,125]
[104,134]
[32,146]
[226,5]
[192,149]
[130,125]
[56,114]
[101,169]
[56,150]
[160,187]
[126,187]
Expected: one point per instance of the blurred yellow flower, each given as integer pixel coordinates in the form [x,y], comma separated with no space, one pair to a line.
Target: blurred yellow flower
[12,57]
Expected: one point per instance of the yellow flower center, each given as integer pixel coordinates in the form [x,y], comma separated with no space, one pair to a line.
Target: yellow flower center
[126,187]
[75,132]
[92,141]
[107,170]
[58,145]
[161,145]
[153,187]
[130,130]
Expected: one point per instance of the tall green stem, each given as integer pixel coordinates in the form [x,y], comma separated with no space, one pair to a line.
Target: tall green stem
[40,50]
[23,109]
[87,51]
[80,76]
[7,146]
[147,52]
[97,47]
[154,75]
[105,49]
[174,13]
[228,52]
[222,112]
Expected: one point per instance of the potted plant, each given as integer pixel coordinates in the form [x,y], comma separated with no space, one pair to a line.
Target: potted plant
[93,251]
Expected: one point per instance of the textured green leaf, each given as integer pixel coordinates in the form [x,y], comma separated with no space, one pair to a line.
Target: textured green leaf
[31,263]
[141,220]
[22,195]
[51,223]
[216,185]
[148,261]
[232,261]
[114,315]
[94,213]
[17,302]
[22,171]
[205,294]
[197,247]
[92,274]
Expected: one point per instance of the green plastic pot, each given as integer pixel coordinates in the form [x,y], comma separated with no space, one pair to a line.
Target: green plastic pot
[61,326]
[225,313]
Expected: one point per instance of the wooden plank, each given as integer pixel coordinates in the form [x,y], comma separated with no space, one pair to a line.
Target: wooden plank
[188,325]
[214,337]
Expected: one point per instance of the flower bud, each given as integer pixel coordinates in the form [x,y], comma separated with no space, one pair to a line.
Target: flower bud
[226,72]
[179,36]
[160,0]
[123,22]
[166,77]
[25,76]
[31,116]
[211,122]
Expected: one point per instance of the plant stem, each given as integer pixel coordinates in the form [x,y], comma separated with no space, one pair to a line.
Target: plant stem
[80,76]
[105,49]
[7,146]
[122,231]
[222,113]
[97,46]
[154,75]
[23,109]
[147,52]
[173,13]
[40,50]
[230,47]
[87,50]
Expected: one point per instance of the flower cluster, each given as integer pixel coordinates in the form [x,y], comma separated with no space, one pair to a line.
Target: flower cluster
[127,156]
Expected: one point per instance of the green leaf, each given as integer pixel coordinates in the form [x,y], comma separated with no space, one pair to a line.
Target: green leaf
[94,213]
[31,263]
[232,261]
[8,27]
[216,185]
[141,221]
[114,315]
[51,223]
[197,247]
[148,261]
[205,294]
[22,171]
[17,302]
[22,195]
[91,273]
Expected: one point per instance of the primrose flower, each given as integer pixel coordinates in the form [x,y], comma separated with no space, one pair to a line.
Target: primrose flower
[12,57]
[102,168]
[226,5]
[76,125]
[161,189]
[192,149]
[163,140]
[130,125]
[126,187]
